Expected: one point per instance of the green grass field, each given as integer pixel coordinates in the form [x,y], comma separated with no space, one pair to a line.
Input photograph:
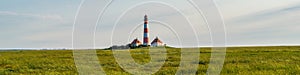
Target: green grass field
[239,60]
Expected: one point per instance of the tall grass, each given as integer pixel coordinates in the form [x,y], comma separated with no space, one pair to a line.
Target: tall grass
[239,60]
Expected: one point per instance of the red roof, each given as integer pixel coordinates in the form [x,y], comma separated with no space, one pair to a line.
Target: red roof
[156,40]
[135,41]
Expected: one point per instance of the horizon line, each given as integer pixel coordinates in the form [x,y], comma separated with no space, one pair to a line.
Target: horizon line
[66,48]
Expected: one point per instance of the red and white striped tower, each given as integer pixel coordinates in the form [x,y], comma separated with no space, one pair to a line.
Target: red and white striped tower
[146,32]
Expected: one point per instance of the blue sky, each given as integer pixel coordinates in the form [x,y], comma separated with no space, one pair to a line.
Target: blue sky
[48,23]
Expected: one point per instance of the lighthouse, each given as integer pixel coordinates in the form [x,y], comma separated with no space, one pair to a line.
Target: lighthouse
[146,42]
[146,32]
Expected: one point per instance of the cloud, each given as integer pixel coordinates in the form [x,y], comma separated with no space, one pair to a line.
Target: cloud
[267,18]
[8,13]
[272,26]
[247,22]
[39,16]
[236,8]
[53,39]
[34,30]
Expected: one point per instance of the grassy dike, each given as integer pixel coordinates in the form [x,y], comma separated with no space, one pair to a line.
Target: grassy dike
[239,60]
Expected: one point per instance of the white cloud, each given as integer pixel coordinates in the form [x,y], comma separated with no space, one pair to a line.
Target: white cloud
[270,26]
[39,16]
[236,8]
[8,13]
[245,20]
[53,39]
[30,30]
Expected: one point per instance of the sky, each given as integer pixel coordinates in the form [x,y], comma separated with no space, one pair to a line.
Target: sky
[49,23]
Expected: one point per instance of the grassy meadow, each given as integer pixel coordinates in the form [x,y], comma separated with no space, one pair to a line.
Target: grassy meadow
[239,60]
